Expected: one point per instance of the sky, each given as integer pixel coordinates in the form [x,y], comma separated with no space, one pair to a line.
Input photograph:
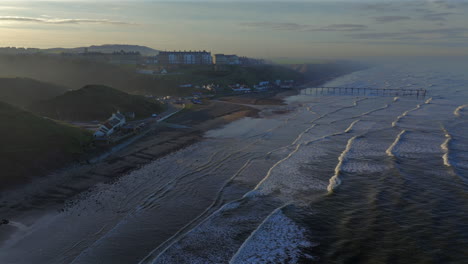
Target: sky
[266,29]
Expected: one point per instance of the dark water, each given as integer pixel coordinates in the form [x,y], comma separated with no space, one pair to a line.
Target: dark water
[368,180]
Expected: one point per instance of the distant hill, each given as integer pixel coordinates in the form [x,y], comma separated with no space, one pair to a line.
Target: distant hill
[75,73]
[95,102]
[23,91]
[32,145]
[108,48]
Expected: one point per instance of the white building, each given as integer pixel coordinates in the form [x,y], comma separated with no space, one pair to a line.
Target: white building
[116,121]
[221,59]
[185,57]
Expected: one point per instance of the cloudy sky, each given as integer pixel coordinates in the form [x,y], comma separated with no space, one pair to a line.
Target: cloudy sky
[296,29]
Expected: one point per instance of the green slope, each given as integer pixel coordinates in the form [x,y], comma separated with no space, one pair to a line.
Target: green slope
[23,91]
[32,145]
[95,102]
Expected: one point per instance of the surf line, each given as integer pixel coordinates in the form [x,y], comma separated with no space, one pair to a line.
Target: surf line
[394,123]
[355,103]
[372,111]
[390,149]
[237,255]
[458,111]
[335,180]
[446,148]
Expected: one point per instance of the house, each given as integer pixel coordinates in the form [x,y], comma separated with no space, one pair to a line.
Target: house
[151,60]
[289,84]
[130,115]
[185,57]
[221,59]
[241,89]
[116,121]
[145,71]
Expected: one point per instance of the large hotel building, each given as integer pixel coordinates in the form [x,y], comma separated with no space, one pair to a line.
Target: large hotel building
[185,57]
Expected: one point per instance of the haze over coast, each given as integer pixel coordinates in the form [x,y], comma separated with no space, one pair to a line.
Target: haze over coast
[213,131]
[295,29]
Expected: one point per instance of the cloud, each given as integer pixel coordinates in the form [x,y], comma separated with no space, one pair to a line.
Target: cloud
[443,4]
[380,7]
[387,19]
[275,25]
[58,21]
[310,28]
[340,27]
[454,33]
[437,16]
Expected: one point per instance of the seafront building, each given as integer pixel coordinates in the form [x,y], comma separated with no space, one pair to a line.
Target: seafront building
[185,57]
[116,121]
[222,59]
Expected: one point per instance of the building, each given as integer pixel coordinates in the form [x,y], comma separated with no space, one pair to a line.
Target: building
[221,59]
[185,57]
[145,71]
[116,121]
[250,61]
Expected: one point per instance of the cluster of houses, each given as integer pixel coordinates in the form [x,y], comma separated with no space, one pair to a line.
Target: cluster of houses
[201,57]
[262,86]
[112,124]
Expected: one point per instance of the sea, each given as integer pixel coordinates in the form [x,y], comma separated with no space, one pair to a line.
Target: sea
[326,178]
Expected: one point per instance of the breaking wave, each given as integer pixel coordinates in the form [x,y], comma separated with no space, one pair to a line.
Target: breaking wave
[277,240]
[458,112]
[445,148]
[390,149]
[335,181]
[394,123]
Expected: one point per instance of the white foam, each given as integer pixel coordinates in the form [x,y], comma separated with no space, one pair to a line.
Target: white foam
[390,149]
[394,123]
[347,130]
[445,148]
[277,240]
[335,180]
[458,110]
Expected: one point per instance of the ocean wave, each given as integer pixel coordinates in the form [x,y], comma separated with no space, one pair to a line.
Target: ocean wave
[355,103]
[390,149]
[416,143]
[277,240]
[394,123]
[335,180]
[459,110]
[446,148]
[218,237]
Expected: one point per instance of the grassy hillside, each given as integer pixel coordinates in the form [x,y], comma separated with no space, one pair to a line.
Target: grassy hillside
[32,145]
[108,48]
[23,91]
[76,73]
[95,102]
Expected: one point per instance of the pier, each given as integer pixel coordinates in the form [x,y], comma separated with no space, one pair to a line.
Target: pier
[363,91]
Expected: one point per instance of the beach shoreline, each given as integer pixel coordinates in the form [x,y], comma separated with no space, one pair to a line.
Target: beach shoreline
[59,190]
